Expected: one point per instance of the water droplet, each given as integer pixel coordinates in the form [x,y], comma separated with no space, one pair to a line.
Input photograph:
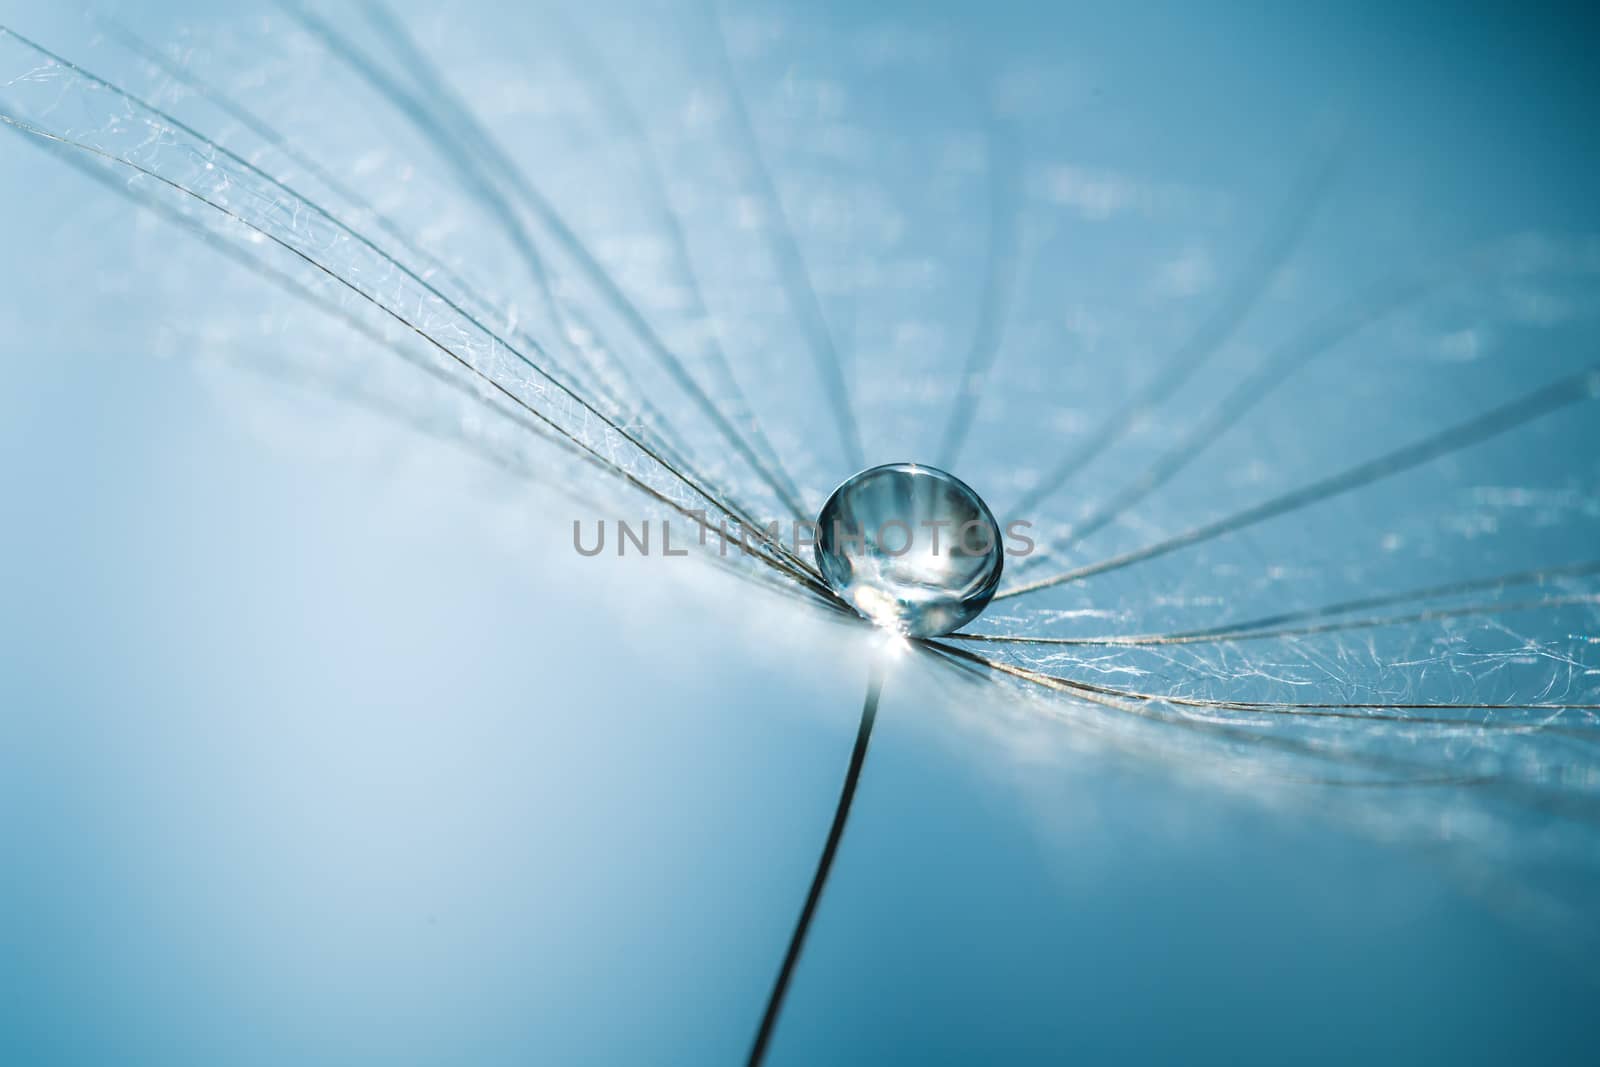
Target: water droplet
[912,548]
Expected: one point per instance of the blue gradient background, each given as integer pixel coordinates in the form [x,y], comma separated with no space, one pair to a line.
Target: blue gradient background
[318,746]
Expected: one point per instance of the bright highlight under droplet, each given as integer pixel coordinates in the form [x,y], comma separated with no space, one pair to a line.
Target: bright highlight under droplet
[912,548]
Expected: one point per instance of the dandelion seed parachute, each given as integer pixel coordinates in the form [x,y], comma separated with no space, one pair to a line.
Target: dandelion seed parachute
[1424,639]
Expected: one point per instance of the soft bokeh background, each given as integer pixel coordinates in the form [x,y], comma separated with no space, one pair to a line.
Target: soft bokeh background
[319,745]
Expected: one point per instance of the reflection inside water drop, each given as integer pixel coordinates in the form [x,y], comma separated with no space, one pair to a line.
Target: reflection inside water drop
[910,547]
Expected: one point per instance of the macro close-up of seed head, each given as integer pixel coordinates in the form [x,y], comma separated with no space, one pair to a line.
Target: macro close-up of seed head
[799,533]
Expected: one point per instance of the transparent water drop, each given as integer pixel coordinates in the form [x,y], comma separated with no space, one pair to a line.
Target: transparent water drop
[910,547]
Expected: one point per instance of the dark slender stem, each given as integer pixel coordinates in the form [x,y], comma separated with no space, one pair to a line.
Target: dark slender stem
[858,755]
